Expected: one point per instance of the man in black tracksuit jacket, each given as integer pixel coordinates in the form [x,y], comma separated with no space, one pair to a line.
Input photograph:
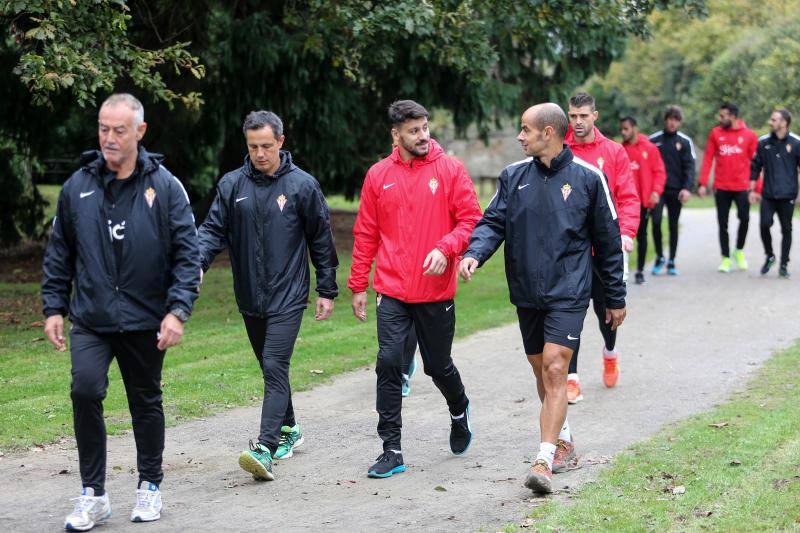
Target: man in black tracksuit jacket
[677,152]
[551,210]
[778,155]
[271,215]
[123,263]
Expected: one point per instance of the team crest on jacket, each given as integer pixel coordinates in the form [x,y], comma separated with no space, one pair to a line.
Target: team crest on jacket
[678,146]
[740,139]
[600,163]
[150,196]
[644,155]
[566,190]
[281,202]
[433,184]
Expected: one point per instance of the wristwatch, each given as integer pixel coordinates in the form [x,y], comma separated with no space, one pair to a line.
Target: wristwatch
[179,313]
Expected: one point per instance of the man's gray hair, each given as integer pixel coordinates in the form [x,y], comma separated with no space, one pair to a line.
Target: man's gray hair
[130,101]
[255,120]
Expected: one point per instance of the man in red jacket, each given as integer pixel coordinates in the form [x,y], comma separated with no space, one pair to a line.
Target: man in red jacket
[649,175]
[732,146]
[418,208]
[588,144]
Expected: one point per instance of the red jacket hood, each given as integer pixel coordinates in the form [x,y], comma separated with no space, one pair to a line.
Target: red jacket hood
[436,151]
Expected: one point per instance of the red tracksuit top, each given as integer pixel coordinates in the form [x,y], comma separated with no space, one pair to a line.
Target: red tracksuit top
[733,149]
[647,167]
[610,157]
[407,209]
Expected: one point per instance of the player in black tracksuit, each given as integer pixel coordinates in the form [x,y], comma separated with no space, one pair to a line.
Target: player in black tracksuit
[272,216]
[122,262]
[778,155]
[551,210]
[677,152]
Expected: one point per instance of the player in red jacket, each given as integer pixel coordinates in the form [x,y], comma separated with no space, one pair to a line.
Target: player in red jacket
[588,144]
[418,209]
[650,177]
[730,148]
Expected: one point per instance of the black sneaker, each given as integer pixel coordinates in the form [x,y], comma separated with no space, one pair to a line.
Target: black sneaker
[767,265]
[784,271]
[639,278]
[387,464]
[460,433]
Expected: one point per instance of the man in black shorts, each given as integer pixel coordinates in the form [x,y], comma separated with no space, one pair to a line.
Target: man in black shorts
[551,209]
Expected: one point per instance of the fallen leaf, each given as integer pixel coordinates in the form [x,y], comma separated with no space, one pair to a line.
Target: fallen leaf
[736,462]
[528,522]
[680,489]
[702,514]
[440,488]
[778,484]
[36,324]
[317,371]
[63,472]
[718,425]
[520,401]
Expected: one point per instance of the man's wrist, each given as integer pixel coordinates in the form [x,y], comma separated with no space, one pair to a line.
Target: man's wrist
[179,313]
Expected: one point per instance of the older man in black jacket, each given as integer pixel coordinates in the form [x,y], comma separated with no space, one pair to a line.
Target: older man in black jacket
[271,215]
[124,245]
[551,210]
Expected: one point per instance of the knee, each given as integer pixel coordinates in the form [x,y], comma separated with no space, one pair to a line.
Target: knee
[554,374]
[274,369]
[87,388]
[389,361]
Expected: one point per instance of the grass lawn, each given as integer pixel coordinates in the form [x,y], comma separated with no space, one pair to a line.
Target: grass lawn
[735,468]
[214,368]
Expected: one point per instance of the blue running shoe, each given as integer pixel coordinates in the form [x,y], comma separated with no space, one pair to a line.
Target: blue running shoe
[671,270]
[387,464]
[658,266]
[406,388]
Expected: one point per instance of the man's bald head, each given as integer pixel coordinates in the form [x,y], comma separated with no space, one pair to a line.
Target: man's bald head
[541,116]
[544,127]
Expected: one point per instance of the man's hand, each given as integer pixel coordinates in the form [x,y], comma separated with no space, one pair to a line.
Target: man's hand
[702,191]
[435,263]
[467,268]
[171,332]
[54,329]
[360,305]
[654,198]
[753,197]
[324,308]
[615,317]
[627,244]
[684,195]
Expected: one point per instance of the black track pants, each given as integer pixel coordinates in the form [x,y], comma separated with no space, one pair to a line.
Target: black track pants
[434,324]
[273,341]
[140,363]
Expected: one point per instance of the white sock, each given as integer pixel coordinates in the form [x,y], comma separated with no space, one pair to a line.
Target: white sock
[573,377]
[405,377]
[547,452]
[610,354]
[565,434]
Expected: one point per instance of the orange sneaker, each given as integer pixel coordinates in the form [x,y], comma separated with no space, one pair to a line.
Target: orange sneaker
[610,371]
[565,453]
[539,478]
[574,391]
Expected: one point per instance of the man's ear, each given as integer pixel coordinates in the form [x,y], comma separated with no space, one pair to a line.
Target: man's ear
[140,130]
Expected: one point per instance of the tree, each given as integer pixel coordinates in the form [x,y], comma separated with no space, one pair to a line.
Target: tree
[331,68]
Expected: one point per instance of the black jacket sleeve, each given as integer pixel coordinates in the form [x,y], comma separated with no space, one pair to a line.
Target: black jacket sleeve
[213,231]
[59,261]
[757,163]
[490,232]
[317,226]
[185,254]
[607,244]
[688,164]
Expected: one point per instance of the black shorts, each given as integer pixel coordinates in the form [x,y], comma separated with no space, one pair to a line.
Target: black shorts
[538,326]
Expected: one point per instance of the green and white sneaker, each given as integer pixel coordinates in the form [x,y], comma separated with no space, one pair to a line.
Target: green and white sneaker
[725,265]
[291,438]
[258,461]
[741,260]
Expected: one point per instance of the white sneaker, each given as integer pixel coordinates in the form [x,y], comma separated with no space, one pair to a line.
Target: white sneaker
[148,503]
[90,510]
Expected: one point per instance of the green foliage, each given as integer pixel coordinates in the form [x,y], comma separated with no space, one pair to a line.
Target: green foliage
[737,53]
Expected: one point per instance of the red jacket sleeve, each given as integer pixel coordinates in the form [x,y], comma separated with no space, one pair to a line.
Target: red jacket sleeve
[708,158]
[626,196]
[466,210]
[657,170]
[367,237]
